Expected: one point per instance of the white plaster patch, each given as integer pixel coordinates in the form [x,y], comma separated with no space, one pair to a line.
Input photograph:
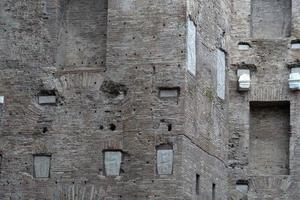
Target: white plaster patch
[221,73]
[47,99]
[42,166]
[168,93]
[191,47]
[1,99]
[112,163]
[164,161]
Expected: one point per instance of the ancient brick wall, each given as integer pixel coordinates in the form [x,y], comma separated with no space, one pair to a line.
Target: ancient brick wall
[89,84]
[205,151]
[269,59]
[130,99]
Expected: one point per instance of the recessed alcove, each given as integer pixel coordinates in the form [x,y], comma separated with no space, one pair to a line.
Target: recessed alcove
[271,18]
[269,138]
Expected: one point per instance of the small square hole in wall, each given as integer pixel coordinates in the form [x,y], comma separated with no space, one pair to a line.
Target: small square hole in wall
[169,92]
[41,164]
[242,186]
[47,97]
[112,162]
[164,159]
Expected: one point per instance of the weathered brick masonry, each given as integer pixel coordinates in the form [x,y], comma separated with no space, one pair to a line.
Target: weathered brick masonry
[137,99]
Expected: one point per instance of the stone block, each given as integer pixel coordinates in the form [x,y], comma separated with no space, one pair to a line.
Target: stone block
[112,163]
[295,46]
[295,70]
[221,73]
[191,47]
[243,47]
[168,92]
[47,100]
[164,161]
[242,186]
[42,166]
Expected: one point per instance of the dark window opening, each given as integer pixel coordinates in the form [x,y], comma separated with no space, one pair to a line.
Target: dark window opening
[197,184]
[169,127]
[213,195]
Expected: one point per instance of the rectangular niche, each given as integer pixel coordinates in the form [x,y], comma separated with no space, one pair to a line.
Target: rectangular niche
[271,18]
[41,165]
[164,156]
[269,138]
[112,162]
[83,33]
[169,92]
